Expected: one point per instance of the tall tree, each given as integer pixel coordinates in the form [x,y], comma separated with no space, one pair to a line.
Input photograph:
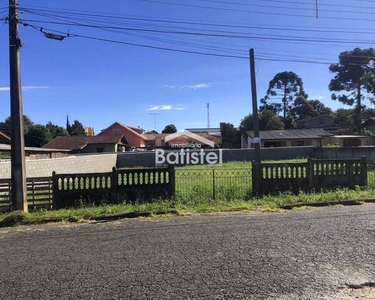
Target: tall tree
[68,126]
[354,77]
[345,117]
[27,123]
[56,130]
[171,128]
[285,86]
[230,136]
[320,107]
[37,136]
[77,129]
[267,121]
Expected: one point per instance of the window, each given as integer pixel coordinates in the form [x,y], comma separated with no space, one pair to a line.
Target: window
[116,131]
[322,121]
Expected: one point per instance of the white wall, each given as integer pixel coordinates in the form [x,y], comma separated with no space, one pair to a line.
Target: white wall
[69,165]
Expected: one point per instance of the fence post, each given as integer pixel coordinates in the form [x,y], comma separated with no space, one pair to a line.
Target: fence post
[364,171]
[255,172]
[172,180]
[213,185]
[114,185]
[310,173]
[350,171]
[54,190]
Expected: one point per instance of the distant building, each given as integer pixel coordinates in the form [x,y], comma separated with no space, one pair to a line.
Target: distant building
[134,136]
[89,131]
[160,140]
[305,137]
[287,138]
[325,122]
[87,144]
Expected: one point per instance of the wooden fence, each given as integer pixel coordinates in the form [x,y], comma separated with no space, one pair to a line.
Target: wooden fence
[315,175]
[39,193]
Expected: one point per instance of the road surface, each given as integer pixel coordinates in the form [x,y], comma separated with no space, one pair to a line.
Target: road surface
[311,254]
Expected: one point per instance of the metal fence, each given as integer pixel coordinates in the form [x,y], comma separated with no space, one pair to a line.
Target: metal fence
[225,184]
[190,184]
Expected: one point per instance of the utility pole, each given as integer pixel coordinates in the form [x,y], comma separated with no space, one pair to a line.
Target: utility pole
[208,116]
[19,189]
[154,114]
[255,108]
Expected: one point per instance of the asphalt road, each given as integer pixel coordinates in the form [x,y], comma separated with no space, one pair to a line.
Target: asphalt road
[311,254]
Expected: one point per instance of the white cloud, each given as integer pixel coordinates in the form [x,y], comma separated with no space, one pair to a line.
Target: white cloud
[164,107]
[24,88]
[317,97]
[190,87]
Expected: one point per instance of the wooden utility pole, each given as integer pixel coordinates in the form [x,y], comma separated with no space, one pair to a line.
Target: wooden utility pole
[256,141]
[19,189]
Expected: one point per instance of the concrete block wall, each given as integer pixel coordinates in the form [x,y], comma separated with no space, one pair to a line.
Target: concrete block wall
[69,165]
[345,153]
[147,159]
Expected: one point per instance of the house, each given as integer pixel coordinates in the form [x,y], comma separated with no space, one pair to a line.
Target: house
[36,153]
[89,131]
[89,144]
[134,136]
[287,138]
[325,122]
[174,140]
[350,140]
[4,139]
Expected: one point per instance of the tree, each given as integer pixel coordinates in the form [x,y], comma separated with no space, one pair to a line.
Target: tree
[152,132]
[230,136]
[285,86]
[68,126]
[320,107]
[27,123]
[56,130]
[355,76]
[267,121]
[345,117]
[77,129]
[303,109]
[169,129]
[37,136]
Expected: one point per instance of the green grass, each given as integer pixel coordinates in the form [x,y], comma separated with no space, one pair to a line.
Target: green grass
[195,194]
[182,206]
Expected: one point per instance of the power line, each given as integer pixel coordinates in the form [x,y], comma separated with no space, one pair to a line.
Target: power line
[290,8]
[148,19]
[222,35]
[252,11]
[261,58]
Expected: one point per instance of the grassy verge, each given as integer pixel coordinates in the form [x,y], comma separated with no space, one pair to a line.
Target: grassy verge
[266,204]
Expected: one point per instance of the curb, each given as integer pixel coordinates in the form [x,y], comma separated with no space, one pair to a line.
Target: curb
[108,218]
[330,203]
[134,215]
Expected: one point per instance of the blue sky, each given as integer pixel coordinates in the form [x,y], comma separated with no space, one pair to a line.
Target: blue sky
[99,83]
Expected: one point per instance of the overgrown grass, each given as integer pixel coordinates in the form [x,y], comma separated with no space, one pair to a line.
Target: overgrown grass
[182,206]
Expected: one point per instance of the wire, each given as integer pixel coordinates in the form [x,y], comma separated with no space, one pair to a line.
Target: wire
[120,17]
[283,7]
[261,58]
[252,11]
[222,35]
[137,45]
